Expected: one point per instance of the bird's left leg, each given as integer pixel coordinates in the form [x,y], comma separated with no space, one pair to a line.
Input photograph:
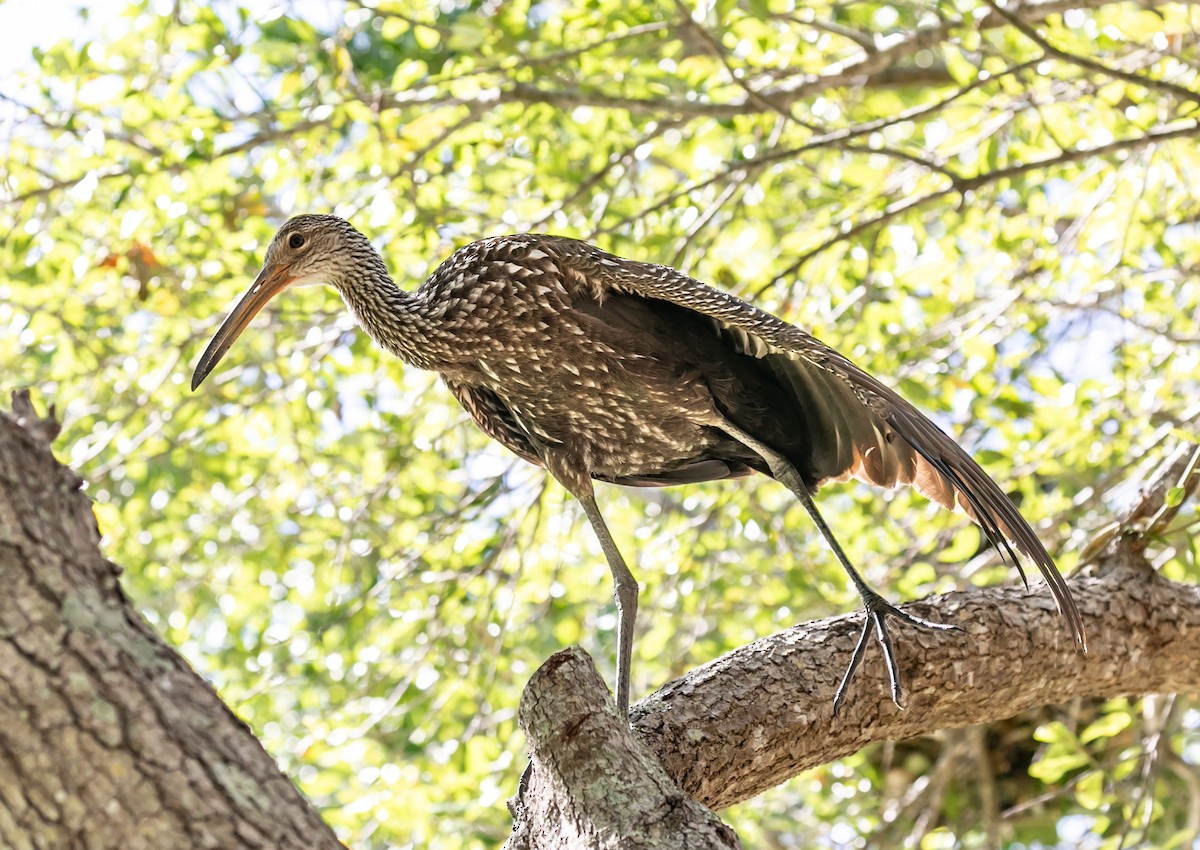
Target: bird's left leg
[625,586]
[877,608]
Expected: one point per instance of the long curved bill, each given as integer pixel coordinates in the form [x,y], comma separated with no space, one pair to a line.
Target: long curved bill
[270,282]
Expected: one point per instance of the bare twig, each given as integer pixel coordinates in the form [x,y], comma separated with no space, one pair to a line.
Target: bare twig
[832,139]
[767,102]
[1090,64]
[970,184]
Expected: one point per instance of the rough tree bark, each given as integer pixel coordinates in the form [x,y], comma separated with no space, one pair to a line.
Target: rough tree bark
[594,785]
[109,739]
[761,714]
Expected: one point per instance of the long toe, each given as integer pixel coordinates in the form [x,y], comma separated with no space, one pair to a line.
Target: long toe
[878,605]
[856,657]
[884,637]
[877,610]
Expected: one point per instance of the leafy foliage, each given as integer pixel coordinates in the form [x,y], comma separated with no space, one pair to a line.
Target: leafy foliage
[999,211]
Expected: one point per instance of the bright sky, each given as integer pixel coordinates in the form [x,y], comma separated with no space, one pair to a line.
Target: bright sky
[23,26]
[23,23]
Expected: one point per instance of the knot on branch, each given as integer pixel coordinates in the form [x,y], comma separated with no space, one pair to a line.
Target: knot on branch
[1122,543]
[43,429]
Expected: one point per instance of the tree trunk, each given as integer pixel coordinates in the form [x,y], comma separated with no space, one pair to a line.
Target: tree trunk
[107,737]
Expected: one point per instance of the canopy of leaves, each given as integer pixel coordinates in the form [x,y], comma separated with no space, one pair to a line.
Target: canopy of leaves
[995,207]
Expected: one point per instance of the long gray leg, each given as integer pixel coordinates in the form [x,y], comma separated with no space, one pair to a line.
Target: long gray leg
[571,472]
[625,591]
[877,608]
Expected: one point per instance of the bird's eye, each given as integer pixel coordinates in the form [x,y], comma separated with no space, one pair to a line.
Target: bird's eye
[296,241]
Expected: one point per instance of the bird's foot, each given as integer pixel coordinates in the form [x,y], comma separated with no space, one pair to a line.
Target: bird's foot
[877,609]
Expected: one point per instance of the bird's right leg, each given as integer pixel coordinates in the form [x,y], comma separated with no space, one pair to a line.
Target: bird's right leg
[625,586]
[877,608]
[625,591]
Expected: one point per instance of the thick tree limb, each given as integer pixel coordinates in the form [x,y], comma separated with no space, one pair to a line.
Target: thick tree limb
[107,737]
[761,714]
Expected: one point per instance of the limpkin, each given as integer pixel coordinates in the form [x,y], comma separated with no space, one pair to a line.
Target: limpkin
[601,368]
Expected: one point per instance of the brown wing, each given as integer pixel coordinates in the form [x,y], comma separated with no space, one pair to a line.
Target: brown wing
[857,426]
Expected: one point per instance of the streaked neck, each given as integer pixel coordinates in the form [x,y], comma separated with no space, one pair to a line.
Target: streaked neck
[395,319]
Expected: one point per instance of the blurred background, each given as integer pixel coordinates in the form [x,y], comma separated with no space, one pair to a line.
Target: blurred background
[995,209]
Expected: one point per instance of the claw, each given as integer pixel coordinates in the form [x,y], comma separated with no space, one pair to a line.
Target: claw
[855,658]
[889,655]
[877,609]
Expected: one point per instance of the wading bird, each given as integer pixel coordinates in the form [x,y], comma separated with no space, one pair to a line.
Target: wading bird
[596,367]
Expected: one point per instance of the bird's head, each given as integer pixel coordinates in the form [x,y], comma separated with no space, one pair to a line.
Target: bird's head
[307,249]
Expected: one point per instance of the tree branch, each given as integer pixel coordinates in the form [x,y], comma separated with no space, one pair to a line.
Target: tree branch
[761,714]
[1049,49]
[962,185]
[590,783]
[868,67]
[872,65]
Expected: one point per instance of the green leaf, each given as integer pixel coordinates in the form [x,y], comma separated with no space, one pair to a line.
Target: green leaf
[1108,726]
[961,69]
[1089,790]
[1054,768]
